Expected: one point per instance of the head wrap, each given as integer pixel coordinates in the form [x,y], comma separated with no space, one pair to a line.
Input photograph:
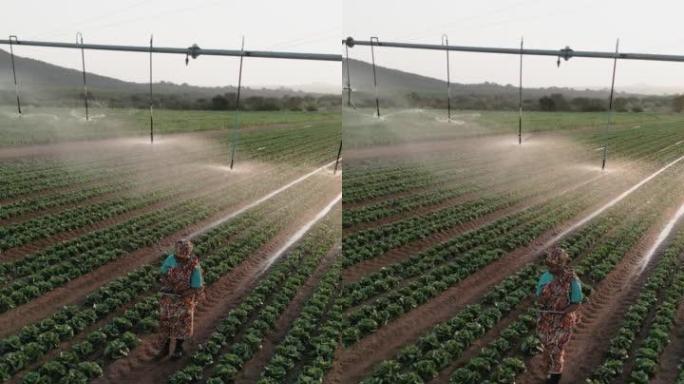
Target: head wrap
[557,257]
[183,248]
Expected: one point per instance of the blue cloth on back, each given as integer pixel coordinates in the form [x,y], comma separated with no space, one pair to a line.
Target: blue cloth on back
[576,295]
[196,280]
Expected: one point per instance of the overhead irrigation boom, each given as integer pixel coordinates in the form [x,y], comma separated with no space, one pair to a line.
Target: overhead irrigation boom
[193,51]
[564,53]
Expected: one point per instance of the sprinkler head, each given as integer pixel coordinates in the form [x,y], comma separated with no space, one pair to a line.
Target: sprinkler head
[349,41]
[194,51]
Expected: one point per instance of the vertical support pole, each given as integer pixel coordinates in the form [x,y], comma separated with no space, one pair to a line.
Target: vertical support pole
[151,100]
[236,128]
[375,79]
[13,39]
[337,162]
[348,88]
[445,43]
[610,107]
[520,99]
[79,40]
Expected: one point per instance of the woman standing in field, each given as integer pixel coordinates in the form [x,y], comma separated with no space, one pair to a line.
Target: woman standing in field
[181,283]
[559,293]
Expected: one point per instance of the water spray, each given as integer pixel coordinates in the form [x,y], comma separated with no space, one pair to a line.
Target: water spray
[253,204]
[13,40]
[151,100]
[339,152]
[611,203]
[445,42]
[520,94]
[662,236]
[79,41]
[610,107]
[236,126]
[375,80]
[348,87]
[299,234]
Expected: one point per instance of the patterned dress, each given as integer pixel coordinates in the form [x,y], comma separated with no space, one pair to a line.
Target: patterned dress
[177,312]
[554,327]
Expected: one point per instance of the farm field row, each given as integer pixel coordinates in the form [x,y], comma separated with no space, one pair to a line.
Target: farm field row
[85,225]
[433,293]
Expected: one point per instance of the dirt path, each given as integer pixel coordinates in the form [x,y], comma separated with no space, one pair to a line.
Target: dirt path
[222,296]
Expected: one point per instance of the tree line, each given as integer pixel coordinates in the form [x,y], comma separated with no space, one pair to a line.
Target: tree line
[555,102]
[179,101]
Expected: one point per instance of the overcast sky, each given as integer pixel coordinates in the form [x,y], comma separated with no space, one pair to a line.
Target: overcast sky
[318,25]
[292,25]
[642,26]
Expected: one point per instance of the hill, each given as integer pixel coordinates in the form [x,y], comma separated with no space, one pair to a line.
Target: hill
[402,89]
[39,76]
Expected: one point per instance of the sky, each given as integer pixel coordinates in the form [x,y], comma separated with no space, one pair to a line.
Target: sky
[319,25]
[293,25]
[648,27]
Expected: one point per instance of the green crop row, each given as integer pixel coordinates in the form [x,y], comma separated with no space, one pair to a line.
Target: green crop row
[401,205]
[623,342]
[492,363]
[369,317]
[312,336]
[113,296]
[522,283]
[447,341]
[239,336]
[373,242]
[33,341]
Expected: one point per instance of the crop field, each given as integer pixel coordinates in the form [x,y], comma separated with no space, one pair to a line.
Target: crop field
[445,225]
[85,225]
